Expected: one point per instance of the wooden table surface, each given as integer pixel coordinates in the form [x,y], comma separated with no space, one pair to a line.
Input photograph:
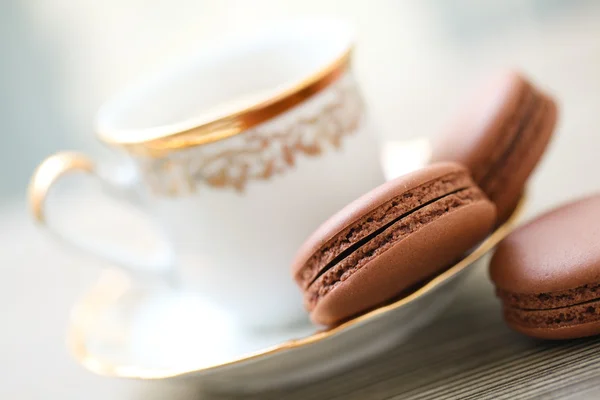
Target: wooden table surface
[469,353]
[428,59]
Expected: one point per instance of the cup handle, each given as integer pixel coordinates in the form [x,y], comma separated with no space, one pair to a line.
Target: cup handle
[156,260]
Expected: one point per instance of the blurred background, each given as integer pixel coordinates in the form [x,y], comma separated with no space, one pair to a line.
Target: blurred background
[415,60]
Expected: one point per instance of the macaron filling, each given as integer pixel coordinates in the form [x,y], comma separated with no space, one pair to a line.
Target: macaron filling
[555,317]
[541,301]
[361,252]
[554,309]
[363,229]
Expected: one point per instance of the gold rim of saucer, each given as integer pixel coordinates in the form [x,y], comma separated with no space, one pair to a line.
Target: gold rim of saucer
[76,333]
[241,120]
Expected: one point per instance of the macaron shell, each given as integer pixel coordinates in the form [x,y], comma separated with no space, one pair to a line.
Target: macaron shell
[478,131]
[558,251]
[417,257]
[501,136]
[560,333]
[365,204]
[518,166]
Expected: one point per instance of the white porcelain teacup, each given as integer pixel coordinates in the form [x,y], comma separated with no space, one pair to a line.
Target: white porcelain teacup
[241,151]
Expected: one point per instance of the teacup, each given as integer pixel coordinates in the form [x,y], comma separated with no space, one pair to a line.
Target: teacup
[241,151]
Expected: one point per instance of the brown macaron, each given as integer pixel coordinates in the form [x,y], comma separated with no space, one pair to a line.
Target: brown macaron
[547,273]
[390,239]
[500,136]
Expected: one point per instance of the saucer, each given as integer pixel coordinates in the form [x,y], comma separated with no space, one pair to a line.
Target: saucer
[127,330]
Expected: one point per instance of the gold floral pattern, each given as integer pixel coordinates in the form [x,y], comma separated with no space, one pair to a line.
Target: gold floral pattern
[316,126]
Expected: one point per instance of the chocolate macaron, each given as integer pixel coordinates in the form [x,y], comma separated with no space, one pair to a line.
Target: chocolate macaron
[547,273]
[500,135]
[389,240]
